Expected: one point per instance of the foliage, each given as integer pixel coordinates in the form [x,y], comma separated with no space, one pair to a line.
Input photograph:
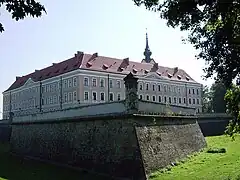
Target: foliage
[232,98]
[207,165]
[22,8]
[207,100]
[214,27]
[216,150]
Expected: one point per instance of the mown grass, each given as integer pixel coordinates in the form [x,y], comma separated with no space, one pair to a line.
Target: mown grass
[13,168]
[211,164]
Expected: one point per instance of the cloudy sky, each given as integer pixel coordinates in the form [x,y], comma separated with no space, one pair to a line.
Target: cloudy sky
[114,28]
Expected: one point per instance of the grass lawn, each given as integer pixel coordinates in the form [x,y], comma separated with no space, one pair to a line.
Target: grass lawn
[12,168]
[207,166]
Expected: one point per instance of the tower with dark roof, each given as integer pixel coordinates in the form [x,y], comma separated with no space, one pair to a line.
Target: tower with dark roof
[147,53]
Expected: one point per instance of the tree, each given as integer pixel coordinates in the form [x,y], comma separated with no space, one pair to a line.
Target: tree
[22,8]
[207,100]
[214,27]
[218,90]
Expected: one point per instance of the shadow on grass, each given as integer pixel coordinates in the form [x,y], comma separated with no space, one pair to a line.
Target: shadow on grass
[14,168]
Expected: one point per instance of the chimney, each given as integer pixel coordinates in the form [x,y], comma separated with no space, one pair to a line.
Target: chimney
[126,61]
[175,70]
[124,64]
[79,53]
[93,57]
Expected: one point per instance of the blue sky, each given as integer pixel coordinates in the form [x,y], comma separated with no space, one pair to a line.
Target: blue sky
[114,28]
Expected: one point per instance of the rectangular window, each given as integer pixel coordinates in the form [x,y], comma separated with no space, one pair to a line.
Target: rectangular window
[55,99]
[43,101]
[153,87]
[170,100]
[110,83]
[119,97]
[85,81]
[147,97]
[101,82]
[70,83]
[140,97]
[159,87]
[197,92]
[86,96]
[118,84]
[94,82]
[193,91]
[179,90]
[140,86]
[165,88]
[190,102]
[50,100]
[147,86]
[175,100]
[74,82]
[193,101]
[165,99]
[65,83]
[180,100]
[65,97]
[70,96]
[159,99]
[102,96]
[111,97]
[184,100]
[154,98]
[74,95]
[189,91]
[94,96]
[197,101]
[169,88]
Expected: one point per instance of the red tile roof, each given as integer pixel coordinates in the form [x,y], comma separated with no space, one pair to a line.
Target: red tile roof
[104,64]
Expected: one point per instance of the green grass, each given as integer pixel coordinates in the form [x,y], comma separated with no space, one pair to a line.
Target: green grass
[13,168]
[216,165]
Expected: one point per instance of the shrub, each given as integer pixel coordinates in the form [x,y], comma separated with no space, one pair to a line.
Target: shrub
[216,150]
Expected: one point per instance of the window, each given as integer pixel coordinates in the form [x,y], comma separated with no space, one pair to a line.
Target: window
[74,96]
[147,97]
[193,101]
[110,83]
[70,96]
[140,86]
[101,82]
[111,97]
[159,99]
[74,81]
[180,100]
[70,83]
[170,100]
[48,88]
[140,97]
[165,88]
[102,96]
[65,83]
[54,99]
[193,91]
[147,86]
[94,96]
[175,100]
[197,101]
[65,97]
[153,87]
[94,82]
[198,110]
[184,100]
[179,90]
[50,100]
[159,87]
[165,99]
[43,101]
[189,91]
[85,81]
[169,88]
[118,84]
[154,98]
[119,97]
[197,92]
[190,101]
[86,96]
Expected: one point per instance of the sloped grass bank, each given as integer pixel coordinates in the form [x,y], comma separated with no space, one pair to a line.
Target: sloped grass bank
[219,161]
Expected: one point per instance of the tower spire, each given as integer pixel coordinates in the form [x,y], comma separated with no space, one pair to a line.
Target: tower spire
[147,53]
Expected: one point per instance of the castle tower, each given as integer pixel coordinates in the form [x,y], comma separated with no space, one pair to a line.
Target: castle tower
[147,53]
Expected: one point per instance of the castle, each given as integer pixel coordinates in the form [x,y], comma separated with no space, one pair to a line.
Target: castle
[91,78]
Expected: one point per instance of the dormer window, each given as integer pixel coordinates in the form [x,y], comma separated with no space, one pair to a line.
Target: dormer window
[65,68]
[179,77]
[120,69]
[146,71]
[135,70]
[57,71]
[187,78]
[169,75]
[159,73]
[89,64]
[105,66]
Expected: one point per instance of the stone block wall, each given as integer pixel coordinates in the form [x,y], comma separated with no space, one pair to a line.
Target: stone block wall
[122,146]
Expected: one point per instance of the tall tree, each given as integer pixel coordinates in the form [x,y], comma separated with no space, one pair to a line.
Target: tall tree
[22,8]
[207,100]
[218,92]
[214,27]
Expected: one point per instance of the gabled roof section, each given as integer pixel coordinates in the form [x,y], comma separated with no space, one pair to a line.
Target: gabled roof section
[51,71]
